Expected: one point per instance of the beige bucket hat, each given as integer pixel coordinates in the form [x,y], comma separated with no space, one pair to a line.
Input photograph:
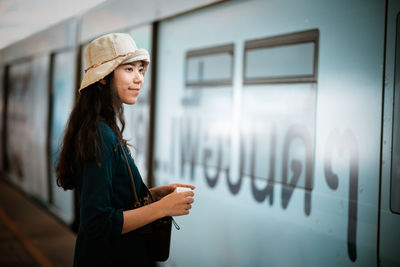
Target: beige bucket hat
[107,52]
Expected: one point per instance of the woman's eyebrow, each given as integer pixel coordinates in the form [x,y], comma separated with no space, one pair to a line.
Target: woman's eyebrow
[133,64]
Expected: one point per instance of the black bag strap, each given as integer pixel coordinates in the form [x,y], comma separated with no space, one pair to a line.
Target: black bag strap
[135,197]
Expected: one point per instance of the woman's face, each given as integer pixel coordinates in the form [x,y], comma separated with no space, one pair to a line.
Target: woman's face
[127,81]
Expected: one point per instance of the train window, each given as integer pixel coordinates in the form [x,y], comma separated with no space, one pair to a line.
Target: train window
[63,93]
[395,183]
[278,108]
[289,58]
[20,83]
[26,127]
[209,67]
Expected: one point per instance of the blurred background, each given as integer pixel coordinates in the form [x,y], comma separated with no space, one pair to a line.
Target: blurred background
[22,18]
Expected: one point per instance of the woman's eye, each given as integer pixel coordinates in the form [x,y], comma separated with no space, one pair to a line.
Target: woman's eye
[141,70]
[129,69]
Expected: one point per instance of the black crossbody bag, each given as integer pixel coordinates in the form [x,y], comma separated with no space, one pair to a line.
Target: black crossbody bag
[157,235]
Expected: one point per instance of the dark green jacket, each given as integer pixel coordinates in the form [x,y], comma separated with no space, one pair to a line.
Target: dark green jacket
[104,193]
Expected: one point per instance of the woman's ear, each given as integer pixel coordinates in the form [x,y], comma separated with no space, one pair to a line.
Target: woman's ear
[103,81]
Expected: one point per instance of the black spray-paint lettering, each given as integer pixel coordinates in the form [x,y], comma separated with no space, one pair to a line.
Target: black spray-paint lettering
[207,156]
[297,132]
[234,188]
[341,142]
[268,191]
[189,142]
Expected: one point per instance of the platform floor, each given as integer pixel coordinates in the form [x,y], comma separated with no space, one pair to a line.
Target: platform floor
[29,235]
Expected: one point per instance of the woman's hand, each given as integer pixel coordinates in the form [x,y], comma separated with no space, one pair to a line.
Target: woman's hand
[161,191]
[173,204]
[176,204]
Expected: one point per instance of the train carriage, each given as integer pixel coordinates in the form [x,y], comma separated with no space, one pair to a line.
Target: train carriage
[284,114]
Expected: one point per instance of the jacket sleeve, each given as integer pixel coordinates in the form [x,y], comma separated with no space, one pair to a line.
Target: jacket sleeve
[99,219]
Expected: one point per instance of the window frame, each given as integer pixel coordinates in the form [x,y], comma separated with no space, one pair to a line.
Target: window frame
[221,49]
[395,117]
[309,36]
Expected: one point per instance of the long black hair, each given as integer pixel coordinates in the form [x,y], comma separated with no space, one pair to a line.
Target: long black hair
[97,102]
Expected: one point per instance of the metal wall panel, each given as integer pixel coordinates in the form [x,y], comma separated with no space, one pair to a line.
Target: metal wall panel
[326,132]
[390,217]
[27,125]
[20,76]
[63,87]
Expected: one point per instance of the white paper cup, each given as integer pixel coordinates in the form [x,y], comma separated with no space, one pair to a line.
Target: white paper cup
[183,189]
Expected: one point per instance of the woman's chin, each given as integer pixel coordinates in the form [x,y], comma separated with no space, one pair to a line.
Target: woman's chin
[130,101]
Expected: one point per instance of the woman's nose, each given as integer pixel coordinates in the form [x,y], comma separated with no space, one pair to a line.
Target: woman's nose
[137,77]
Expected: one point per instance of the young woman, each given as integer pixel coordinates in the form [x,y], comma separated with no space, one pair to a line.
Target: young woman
[92,161]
